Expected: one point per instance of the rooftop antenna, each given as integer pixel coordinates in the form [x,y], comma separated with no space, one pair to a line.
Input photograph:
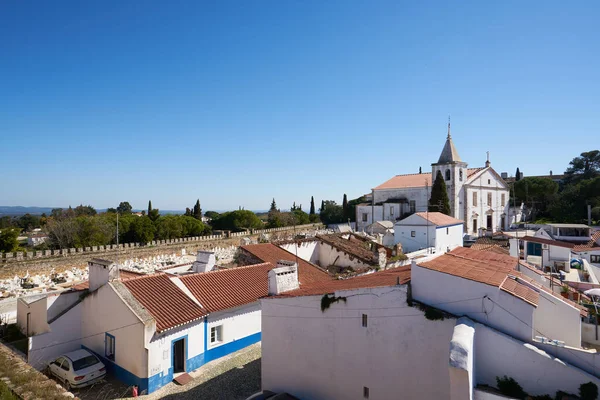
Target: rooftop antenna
[449,136]
[117,261]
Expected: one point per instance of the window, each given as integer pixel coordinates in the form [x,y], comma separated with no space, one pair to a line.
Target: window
[489,199]
[109,346]
[65,365]
[595,259]
[503,199]
[447,174]
[391,210]
[474,225]
[216,334]
[447,231]
[365,217]
[474,198]
[489,182]
[366,392]
[460,175]
[413,206]
[364,320]
[413,233]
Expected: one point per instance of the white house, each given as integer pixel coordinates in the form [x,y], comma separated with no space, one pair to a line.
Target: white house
[377,337]
[35,239]
[150,328]
[478,196]
[424,230]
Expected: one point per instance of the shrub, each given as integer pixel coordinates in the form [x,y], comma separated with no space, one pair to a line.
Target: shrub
[588,391]
[509,387]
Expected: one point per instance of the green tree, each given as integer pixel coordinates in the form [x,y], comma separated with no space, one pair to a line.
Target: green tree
[169,227]
[312,205]
[273,206]
[239,220]
[188,212]
[331,213]
[300,217]
[8,239]
[352,207]
[322,206]
[6,222]
[211,214]
[197,212]
[537,193]
[345,207]
[439,196]
[149,207]
[111,210]
[517,175]
[154,214]
[28,222]
[142,230]
[586,166]
[84,210]
[124,208]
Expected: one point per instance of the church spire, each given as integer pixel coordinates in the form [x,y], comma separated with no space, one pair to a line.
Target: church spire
[449,153]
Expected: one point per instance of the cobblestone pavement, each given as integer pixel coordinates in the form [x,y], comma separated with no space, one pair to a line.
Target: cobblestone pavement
[233,377]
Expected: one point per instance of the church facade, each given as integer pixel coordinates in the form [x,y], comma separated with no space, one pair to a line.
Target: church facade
[478,196]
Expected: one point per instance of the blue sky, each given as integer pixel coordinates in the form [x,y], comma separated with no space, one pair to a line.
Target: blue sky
[237,102]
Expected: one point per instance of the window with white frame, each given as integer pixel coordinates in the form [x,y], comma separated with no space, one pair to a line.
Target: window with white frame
[595,259]
[413,206]
[391,210]
[474,198]
[503,199]
[489,198]
[365,217]
[413,233]
[216,334]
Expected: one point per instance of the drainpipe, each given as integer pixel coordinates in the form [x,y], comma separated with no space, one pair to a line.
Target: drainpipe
[372,205]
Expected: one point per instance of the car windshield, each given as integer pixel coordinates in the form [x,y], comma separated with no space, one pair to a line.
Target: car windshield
[84,362]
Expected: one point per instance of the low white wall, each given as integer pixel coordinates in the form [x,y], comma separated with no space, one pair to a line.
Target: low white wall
[64,336]
[403,235]
[536,371]
[38,320]
[588,333]
[238,323]
[448,238]
[462,377]
[308,251]
[557,320]
[59,302]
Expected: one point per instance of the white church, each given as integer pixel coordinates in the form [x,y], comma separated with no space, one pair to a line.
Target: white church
[478,196]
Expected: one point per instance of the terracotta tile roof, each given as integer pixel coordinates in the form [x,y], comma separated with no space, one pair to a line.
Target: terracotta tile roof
[550,242]
[521,291]
[472,171]
[353,246]
[268,252]
[406,181]
[232,287]
[482,266]
[126,274]
[438,218]
[168,304]
[85,285]
[593,244]
[488,244]
[388,277]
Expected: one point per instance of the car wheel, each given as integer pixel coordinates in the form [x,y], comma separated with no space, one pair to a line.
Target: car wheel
[67,385]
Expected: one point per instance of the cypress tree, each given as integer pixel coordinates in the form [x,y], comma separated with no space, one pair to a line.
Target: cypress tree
[322,205]
[197,210]
[312,205]
[517,175]
[345,206]
[149,206]
[439,196]
[273,206]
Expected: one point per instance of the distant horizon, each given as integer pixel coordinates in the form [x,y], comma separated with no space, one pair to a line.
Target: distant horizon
[3,210]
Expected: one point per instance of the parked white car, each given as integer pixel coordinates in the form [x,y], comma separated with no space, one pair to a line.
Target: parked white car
[77,369]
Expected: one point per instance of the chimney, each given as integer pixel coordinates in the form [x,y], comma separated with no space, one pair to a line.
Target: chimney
[550,172]
[205,261]
[283,278]
[381,255]
[100,272]
[504,175]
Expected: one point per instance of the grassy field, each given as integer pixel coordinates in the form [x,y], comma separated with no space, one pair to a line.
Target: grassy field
[5,393]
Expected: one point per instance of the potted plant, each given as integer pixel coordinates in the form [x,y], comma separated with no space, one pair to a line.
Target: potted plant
[564,291]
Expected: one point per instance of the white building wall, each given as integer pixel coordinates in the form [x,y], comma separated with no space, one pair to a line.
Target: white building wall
[536,371]
[308,251]
[486,183]
[466,298]
[368,210]
[103,312]
[424,237]
[37,317]
[556,319]
[59,302]
[64,336]
[330,355]
[237,323]
[329,255]
[559,254]
[448,238]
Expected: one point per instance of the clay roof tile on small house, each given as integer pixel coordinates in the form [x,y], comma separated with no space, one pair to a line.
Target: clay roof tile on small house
[438,218]
[168,304]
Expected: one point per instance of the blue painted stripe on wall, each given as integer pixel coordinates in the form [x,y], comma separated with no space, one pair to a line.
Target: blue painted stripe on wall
[121,373]
[156,381]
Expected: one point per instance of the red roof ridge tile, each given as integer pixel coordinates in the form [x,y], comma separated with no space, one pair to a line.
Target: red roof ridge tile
[231,269]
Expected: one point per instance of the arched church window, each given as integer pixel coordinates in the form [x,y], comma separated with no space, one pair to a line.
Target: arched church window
[447,174]
[460,175]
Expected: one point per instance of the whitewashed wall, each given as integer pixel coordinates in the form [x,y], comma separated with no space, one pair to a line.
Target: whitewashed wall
[360,210]
[330,355]
[103,312]
[556,319]
[37,316]
[64,336]
[237,323]
[308,251]
[479,212]
[466,297]
[448,238]
[536,371]
[422,239]
[59,302]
